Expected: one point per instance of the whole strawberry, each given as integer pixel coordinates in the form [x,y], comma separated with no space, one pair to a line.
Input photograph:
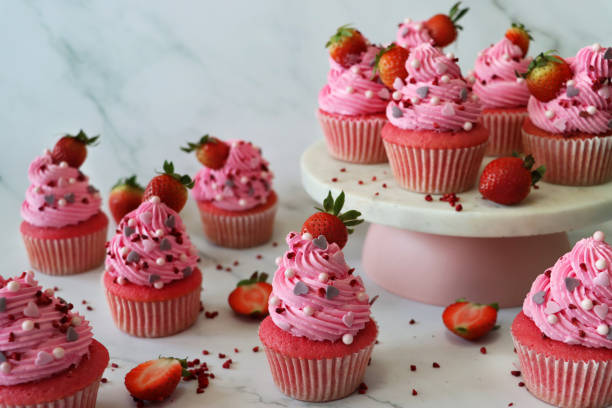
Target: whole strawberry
[250,298]
[346,45]
[470,320]
[156,380]
[390,64]
[73,149]
[508,180]
[125,196]
[210,151]
[331,223]
[443,28]
[546,75]
[170,187]
[520,36]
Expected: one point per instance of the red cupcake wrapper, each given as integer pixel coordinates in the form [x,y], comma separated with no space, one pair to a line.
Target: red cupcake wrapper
[66,256]
[157,318]
[504,132]
[318,380]
[354,140]
[85,398]
[237,230]
[571,384]
[435,171]
[572,162]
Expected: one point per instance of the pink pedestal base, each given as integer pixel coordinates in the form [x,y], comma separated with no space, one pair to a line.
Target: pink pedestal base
[437,269]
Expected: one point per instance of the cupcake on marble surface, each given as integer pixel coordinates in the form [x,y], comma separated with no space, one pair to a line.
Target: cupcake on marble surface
[63,228]
[569,128]
[152,282]
[234,193]
[434,140]
[503,96]
[352,103]
[439,31]
[562,336]
[48,356]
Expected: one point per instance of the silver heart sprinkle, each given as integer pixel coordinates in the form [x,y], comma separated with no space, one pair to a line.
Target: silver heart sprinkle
[165,245]
[463,94]
[610,124]
[396,112]
[71,334]
[2,357]
[187,271]
[320,242]
[69,197]
[571,283]
[2,304]
[50,199]
[422,91]
[229,183]
[572,91]
[127,231]
[170,221]
[133,256]
[331,292]
[608,54]
[538,297]
[300,288]
[153,278]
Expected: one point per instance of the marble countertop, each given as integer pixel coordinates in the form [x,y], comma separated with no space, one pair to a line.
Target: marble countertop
[150,75]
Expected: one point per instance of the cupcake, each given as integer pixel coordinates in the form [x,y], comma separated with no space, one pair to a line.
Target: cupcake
[434,140]
[569,128]
[152,282]
[502,95]
[234,193]
[562,336]
[319,335]
[48,356]
[352,103]
[63,228]
[440,30]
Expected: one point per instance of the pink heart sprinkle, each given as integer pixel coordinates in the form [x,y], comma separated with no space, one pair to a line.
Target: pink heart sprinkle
[448,110]
[31,310]
[601,311]
[148,245]
[348,319]
[43,358]
[146,218]
[602,279]
[552,307]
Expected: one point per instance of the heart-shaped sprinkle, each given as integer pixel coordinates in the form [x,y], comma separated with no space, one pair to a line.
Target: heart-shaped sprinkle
[2,357]
[153,278]
[31,310]
[91,189]
[320,242]
[552,307]
[441,67]
[300,288]
[69,198]
[71,334]
[384,93]
[608,54]
[396,112]
[538,297]
[2,304]
[463,94]
[133,256]
[148,245]
[331,292]
[348,319]
[187,271]
[251,191]
[165,245]
[50,199]
[448,110]
[610,127]
[229,183]
[43,358]
[572,91]
[601,311]
[170,221]
[602,279]
[422,91]
[398,83]
[571,283]
[127,231]
[146,218]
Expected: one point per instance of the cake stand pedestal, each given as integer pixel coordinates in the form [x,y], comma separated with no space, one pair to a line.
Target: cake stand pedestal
[427,251]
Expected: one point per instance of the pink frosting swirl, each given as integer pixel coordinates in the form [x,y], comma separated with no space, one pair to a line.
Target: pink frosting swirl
[584,104]
[59,195]
[355,90]
[244,182]
[151,247]
[412,33]
[570,301]
[314,293]
[40,335]
[435,96]
[495,73]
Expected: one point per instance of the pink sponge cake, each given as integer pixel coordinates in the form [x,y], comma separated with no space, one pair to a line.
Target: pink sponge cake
[152,282]
[319,335]
[563,335]
[63,228]
[48,357]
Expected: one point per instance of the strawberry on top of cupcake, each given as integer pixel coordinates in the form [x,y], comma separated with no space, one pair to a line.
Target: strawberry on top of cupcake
[440,30]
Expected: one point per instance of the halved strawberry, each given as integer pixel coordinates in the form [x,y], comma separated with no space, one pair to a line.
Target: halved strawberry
[210,151]
[443,28]
[470,320]
[520,36]
[346,45]
[329,221]
[250,298]
[390,63]
[72,149]
[125,196]
[156,380]
[546,74]
[170,187]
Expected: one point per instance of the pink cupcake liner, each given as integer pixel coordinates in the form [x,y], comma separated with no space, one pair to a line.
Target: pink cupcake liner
[571,384]
[435,171]
[85,398]
[572,162]
[154,319]
[66,256]
[239,231]
[354,140]
[504,132]
[318,380]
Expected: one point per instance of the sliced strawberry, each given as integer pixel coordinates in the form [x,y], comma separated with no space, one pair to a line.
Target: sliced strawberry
[546,75]
[346,45]
[390,64]
[250,298]
[520,36]
[125,196]
[73,149]
[156,380]
[470,320]
[508,180]
[170,187]
[443,28]
[210,151]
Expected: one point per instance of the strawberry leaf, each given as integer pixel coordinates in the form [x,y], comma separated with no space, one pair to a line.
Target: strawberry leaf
[339,203]
[195,146]
[129,182]
[344,31]
[83,138]
[181,178]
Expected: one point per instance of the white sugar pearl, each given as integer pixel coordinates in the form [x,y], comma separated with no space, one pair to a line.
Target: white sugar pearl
[599,236]
[124,251]
[349,90]
[159,233]
[601,264]
[362,296]
[307,236]
[570,82]
[37,190]
[58,352]
[244,179]
[76,321]
[242,202]
[407,20]
[308,310]
[591,110]
[183,257]
[13,286]
[27,325]
[355,69]
[415,100]
[278,260]
[549,114]
[61,202]
[415,63]
[586,304]
[397,95]
[289,273]
[323,277]
[347,339]
[154,200]
[369,94]
[274,301]
[520,80]
[596,47]
[158,285]
[603,329]
[131,222]
[71,180]
[121,280]
[63,164]
[445,79]
[474,97]
[552,319]
[450,55]
[467,126]
[5,367]
[213,185]
[506,57]
[160,261]
[434,100]
[219,197]
[418,26]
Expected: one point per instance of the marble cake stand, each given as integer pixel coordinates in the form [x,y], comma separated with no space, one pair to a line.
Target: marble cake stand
[427,251]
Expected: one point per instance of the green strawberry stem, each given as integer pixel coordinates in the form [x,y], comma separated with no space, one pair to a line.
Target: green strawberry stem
[379,56]
[521,27]
[183,362]
[256,277]
[494,305]
[529,161]
[542,60]
[334,207]
[456,13]
[129,182]
[83,138]
[191,147]
[344,31]
[181,178]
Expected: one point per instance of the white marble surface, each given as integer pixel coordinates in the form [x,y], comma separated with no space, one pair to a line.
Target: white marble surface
[149,75]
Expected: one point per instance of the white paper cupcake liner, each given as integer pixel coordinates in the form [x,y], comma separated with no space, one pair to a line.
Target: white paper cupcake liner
[85,398]
[504,132]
